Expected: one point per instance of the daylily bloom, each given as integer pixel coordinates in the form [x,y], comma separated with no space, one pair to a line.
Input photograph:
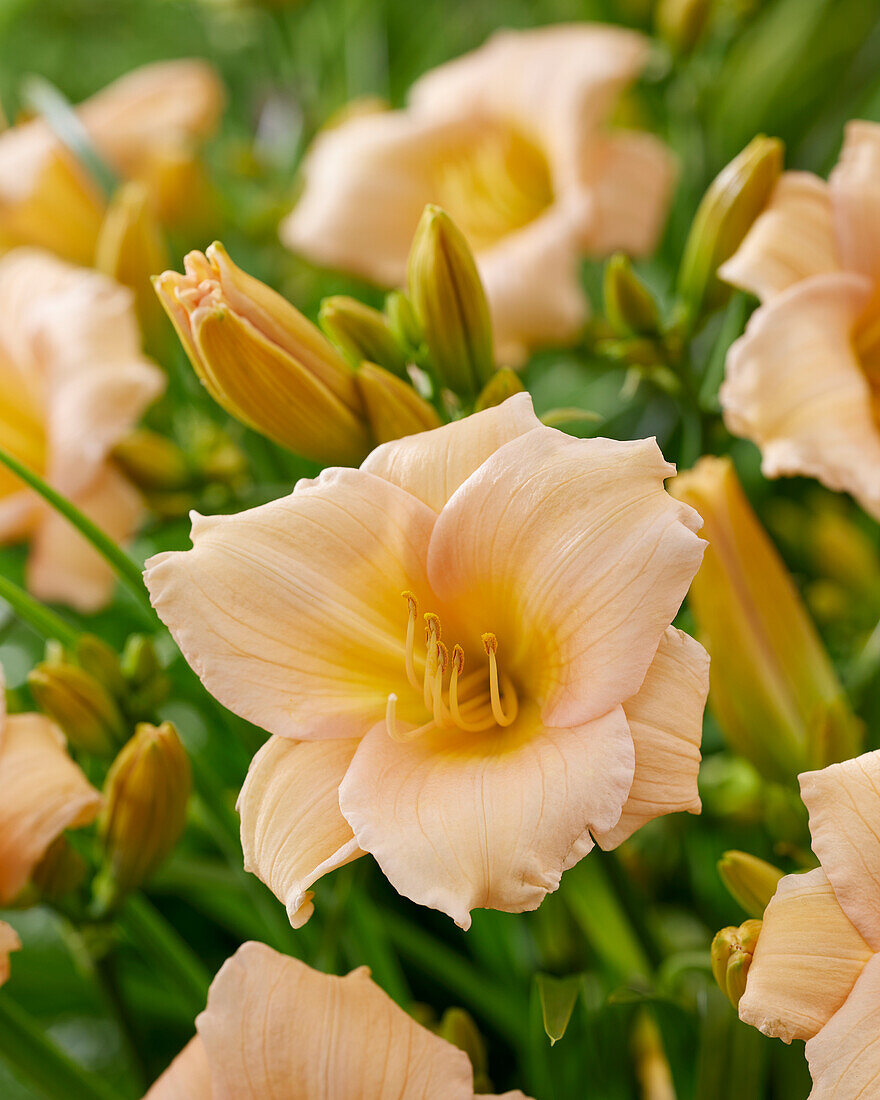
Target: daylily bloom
[463,651]
[73,382]
[146,125]
[815,973]
[804,381]
[275,1027]
[510,141]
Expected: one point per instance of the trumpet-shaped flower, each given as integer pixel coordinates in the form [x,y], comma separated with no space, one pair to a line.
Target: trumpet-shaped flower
[463,652]
[815,974]
[510,141]
[275,1027]
[804,380]
[145,125]
[73,382]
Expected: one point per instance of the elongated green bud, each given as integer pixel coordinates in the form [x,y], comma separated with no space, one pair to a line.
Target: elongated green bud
[147,682]
[151,461]
[80,705]
[450,304]
[732,952]
[680,23]
[94,656]
[458,1028]
[361,333]
[630,307]
[402,320]
[504,383]
[751,881]
[394,409]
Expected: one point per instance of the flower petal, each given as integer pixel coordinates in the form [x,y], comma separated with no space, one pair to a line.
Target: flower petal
[807,960]
[464,821]
[272,1020]
[291,613]
[44,793]
[855,198]
[791,240]
[9,942]
[845,1055]
[433,464]
[795,387]
[575,557]
[187,1078]
[292,830]
[844,805]
[665,717]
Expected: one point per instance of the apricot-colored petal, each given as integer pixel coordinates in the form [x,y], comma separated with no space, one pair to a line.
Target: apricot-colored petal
[578,559]
[845,1055]
[844,805]
[433,464]
[292,830]
[291,613]
[271,1021]
[187,1078]
[459,821]
[795,387]
[791,240]
[9,942]
[44,793]
[666,721]
[807,960]
[855,198]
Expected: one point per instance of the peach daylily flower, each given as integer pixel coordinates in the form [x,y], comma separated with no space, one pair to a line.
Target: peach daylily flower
[804,381]
[815,974]
[275,1027]
[146,125]
[463,651]
[73,382]
[510,141]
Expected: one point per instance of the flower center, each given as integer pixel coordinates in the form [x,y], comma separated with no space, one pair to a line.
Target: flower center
[475,702]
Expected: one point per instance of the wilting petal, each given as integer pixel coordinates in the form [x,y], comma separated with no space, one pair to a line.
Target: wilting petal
[807,960]
[433,464]
[845,1056]
[44,793]
[187,1078]
[459,821]
[9,942]
[855,198]
[792,240]
[292,830]
[666,721]
[795,387]
[291,613]
[577,558]
[62,565]
[272,1021]
[844,805]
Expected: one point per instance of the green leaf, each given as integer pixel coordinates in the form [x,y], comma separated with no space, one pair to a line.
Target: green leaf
[558,997]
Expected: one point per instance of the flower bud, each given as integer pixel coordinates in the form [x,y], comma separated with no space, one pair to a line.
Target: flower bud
[630,307]
[733,201]
[151,461]
[147,683]
[394,409]
[59,872]
[773,688]
[732,951]
[504,383]
[263,361]
[458,1028]
[402,320]
[144,810]
[100,660]
[79,704]
[450,304]
[361,333]
[680,23]
[750,881]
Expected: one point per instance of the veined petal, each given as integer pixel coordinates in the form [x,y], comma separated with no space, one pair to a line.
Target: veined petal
[44,793]
[291,613]
[845,1055]
[795,387]
[665,717]
[272,1020]
[433,464]
[576,558]
[292,830]
[187,1078]
[807,960]
[844,805]
[791,240]
[9,942]
[463,821]
[855,198]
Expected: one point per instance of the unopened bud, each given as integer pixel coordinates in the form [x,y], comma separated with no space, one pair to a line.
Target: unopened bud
[145,678]
[394,409]
[750,881]
[731,789]
[151,461]
[100,660]
[732,951]
[504,383]
[733,201]
[450,304]
[402,320]
[80,705]
[630,307]
[361,333]
[59,872]
[263,361]
[458,1028]
[144,810]
[680,23]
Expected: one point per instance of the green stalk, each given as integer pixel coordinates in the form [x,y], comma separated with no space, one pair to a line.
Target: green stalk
[37,615]
[26,1047]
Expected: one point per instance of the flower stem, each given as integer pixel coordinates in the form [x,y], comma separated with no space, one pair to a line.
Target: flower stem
[43,620]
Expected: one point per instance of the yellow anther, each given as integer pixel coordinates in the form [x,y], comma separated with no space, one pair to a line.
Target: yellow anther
[443,658]
[457,660]
[432,627]
[490,642]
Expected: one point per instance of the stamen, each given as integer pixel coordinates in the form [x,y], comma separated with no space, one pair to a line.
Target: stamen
[486,719]
[391,717]
[413,605]
[432,642]
[490,642]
